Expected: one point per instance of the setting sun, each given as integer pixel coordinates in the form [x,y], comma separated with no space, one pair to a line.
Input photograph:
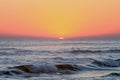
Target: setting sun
[61,38]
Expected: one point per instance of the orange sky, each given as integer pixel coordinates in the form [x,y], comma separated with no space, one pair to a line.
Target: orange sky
[55,18]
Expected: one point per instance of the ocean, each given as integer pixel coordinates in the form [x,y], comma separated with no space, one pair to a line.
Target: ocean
[77,59]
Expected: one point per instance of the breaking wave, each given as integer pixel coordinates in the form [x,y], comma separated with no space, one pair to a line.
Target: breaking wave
[27,70]
[36,70]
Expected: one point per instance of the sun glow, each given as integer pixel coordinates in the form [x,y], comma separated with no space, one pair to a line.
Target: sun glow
[59,18]
[61,38]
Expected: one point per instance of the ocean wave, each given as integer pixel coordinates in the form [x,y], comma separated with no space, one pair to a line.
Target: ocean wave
[93,51]
[16,51]
[114,74]
[107,63]
[36,70]
[72,60]
[26,70]
[8,49]
[31,70]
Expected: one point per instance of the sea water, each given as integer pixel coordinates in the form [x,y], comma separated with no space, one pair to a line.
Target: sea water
[77,59]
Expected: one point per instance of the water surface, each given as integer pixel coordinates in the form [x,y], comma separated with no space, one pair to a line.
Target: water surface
[34,59]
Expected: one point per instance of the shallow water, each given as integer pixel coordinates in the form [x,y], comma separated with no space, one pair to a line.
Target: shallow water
[36,59]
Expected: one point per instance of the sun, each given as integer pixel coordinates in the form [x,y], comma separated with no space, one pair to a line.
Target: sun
[61,38]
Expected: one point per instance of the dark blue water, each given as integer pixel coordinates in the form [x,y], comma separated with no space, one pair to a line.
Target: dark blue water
[34,59]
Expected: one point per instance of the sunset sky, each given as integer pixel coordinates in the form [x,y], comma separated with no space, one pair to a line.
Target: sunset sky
[59,18]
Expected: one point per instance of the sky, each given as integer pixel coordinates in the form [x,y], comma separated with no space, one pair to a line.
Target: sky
[59,18]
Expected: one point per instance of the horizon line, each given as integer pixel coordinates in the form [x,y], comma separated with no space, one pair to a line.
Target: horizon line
[80,37]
